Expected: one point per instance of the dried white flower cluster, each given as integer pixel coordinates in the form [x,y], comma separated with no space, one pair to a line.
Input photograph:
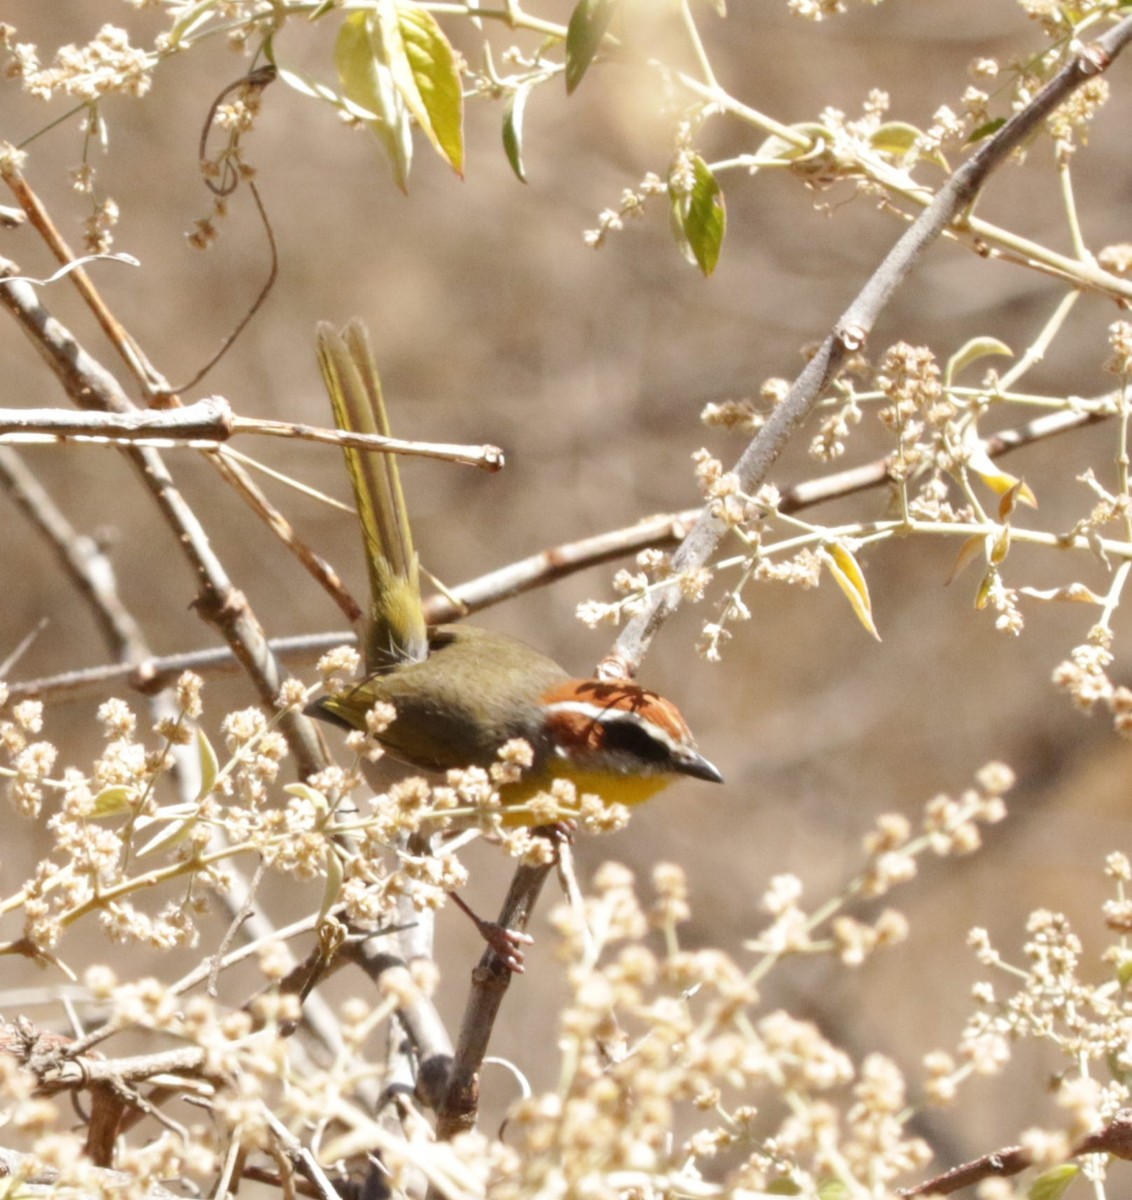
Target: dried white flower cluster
[1088,1025]
[653,1042]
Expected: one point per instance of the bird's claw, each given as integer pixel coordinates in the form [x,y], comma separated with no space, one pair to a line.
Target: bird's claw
[507,944]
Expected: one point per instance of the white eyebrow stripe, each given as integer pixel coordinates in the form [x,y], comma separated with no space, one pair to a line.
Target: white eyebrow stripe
[604,714]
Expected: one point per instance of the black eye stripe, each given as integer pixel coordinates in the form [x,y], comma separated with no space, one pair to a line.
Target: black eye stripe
[637,738]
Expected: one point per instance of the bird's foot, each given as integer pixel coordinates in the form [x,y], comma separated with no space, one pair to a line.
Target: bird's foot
[507,944]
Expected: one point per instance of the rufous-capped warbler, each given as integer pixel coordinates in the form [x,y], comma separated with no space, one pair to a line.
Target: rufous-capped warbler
[460,692]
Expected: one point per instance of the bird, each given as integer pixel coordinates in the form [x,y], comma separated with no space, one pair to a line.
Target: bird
[461,692]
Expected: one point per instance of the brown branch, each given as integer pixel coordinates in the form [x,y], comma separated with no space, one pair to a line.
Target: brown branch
[94,388]
[490,981]
[1114,1138]
[852,329]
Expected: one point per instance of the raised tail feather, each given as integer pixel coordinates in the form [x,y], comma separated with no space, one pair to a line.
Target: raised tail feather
[396,630]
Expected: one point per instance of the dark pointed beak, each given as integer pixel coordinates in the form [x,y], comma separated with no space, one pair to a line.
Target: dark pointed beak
[699,768]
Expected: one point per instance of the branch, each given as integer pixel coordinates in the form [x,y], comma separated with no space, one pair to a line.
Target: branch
[490,980]
[852,329]
[537,570]
[1115,1138]
[92,387]
[534,571]
[419,1018]
[207,423]
[85,564]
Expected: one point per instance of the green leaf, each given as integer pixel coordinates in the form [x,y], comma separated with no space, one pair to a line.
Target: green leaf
[832,1189]
[1054,1183]
[588,23]
[513,129]
[851,580]
[698,217]
[209,764]
[432,91]
[984,131]
[360,56]
[972,351]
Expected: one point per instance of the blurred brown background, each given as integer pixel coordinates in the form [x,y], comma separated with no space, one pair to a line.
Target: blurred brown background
[493,322]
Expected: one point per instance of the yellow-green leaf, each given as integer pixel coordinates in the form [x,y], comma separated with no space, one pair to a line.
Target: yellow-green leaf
[1054,1183]
[432,91]
[334,877]
[182,819]
[895,138]
[513,113]
[851,580]
[311,795]
[588,23]
[996,478]
[112,801]
[1001,546]
[362,60]
[190,21]
[972,351]
[982,596]
[209,764]
[698,216]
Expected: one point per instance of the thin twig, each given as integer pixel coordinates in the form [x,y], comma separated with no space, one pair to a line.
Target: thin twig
[204,425]
[131,353]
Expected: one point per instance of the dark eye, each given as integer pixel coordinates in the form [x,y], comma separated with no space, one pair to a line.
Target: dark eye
[628,736]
